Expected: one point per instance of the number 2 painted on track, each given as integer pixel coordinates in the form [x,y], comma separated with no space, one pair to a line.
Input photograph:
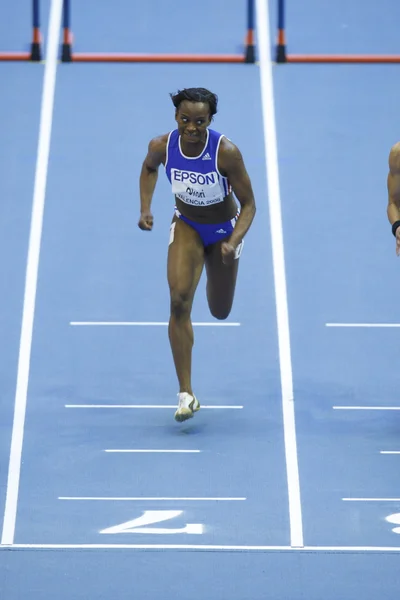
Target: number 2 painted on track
[149,517]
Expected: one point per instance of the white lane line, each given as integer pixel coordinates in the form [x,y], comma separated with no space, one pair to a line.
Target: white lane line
[376,325]
[206,548]
[144,451]
[371,499]
[366,407]
[31,276]
[150,406]
[278,259]
[390,452]
[147,324]
[147,499]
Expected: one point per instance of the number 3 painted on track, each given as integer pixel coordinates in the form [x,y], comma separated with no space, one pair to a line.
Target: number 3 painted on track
[394,519]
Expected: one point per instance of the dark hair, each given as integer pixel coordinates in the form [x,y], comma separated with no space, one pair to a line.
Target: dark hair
[196,95]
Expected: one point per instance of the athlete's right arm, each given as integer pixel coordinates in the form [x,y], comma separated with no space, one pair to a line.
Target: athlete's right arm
[148,178]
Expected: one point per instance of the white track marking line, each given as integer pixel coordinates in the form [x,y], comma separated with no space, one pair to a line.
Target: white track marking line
[371,325]
[371,499]
[31,275]
[366,407]
[204,547]
[149,406]
[271,154]
[390,452]
[151,499]
[144,451]
[146,324]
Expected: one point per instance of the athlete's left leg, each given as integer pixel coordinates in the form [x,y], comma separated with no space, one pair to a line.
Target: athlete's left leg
[221,281]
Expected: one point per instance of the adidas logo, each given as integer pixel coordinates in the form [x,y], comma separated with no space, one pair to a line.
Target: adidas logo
[221,231]
[206,156]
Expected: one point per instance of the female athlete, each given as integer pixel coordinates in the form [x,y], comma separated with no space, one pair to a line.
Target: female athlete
[205,170]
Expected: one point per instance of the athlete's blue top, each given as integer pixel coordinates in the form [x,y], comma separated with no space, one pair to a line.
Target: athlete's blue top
[196,180]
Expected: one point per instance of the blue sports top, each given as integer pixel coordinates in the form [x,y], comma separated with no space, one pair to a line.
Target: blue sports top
[196,180]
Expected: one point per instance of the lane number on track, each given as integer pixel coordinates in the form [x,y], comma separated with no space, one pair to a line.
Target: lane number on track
[150,517]
[395,518]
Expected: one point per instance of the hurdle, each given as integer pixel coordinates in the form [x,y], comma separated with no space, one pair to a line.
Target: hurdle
[68,55]
[282,56]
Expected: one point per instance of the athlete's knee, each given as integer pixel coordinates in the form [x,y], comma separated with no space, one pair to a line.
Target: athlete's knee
[181,303]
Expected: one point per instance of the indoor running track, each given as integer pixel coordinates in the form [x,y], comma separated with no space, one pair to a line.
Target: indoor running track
[107,475]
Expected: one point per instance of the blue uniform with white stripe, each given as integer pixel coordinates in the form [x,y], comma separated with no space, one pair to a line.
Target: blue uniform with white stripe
[196,181]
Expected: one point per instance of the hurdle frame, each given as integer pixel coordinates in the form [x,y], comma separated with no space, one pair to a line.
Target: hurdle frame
[68,55]
[282,56]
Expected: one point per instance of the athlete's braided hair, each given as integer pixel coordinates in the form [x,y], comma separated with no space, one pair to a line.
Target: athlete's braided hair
[196,95]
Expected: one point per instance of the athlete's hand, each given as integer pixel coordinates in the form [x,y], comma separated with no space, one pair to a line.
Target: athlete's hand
[228,253]
[146,221]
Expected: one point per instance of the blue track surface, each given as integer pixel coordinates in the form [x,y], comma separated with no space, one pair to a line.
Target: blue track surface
[335,126]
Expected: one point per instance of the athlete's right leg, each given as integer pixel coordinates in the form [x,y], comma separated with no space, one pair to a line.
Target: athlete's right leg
[185,265]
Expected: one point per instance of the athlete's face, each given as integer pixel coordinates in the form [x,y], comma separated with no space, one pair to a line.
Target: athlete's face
[193,118]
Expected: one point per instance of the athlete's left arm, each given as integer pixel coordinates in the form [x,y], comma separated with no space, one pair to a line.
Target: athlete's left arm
[231,165]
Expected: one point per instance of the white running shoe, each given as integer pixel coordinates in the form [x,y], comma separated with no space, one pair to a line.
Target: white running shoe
[186,407]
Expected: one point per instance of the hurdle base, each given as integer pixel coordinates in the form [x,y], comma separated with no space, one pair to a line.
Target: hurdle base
[36,52]
[14,56]
[250,55]
[281,56]
[157,58]
[343,58]
[66,53]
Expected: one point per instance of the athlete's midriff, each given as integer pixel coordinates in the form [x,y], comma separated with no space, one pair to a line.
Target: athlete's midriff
[216,213]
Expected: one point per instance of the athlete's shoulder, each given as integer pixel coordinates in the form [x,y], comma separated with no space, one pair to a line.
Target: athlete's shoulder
[228,151]
[156,152]
[159,143]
